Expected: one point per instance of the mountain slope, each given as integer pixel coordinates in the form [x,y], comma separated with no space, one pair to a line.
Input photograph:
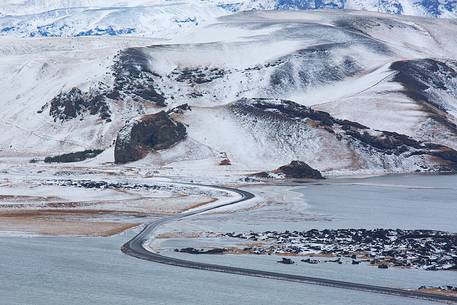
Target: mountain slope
[390,103]
[160,18]
[436,8]
[430,8]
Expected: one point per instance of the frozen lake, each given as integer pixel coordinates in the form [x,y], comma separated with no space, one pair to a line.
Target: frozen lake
[405,202]
[76,270]
[93,271]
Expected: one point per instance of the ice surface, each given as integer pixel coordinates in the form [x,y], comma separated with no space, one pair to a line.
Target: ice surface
[97,267]
[406,202]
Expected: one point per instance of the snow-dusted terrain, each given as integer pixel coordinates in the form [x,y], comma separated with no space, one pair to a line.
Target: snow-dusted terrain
[248,80]
[177,116]
[405,202]
[153,18]
[161,18]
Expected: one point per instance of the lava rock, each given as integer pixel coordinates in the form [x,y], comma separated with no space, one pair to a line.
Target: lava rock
[299,169]
[151,132]
[295,169]
[74,157]
[197,75]
[310,261]
[100,184]
[286,261]
[180,109]
[418,249]
[74,103]
[422,77]
[390,149]
[191,250]
[134,78]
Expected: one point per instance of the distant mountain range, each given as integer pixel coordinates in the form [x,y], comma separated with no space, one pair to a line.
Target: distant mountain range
[160,18]
[435,8]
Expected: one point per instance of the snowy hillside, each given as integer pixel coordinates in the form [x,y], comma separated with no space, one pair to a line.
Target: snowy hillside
[446,8]
[157,20]
[377,104]
[162,18]
[434,8]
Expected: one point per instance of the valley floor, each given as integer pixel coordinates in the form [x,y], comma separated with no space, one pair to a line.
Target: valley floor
[41,200]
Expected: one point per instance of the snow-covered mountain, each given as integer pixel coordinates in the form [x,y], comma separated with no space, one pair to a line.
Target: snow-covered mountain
[162,18]
[154,20]
[444,8]
[260,88]
[434,8]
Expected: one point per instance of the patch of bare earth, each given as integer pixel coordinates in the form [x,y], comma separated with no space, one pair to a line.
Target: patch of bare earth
[439,291]
[200,204]
[52,215]
[51,222]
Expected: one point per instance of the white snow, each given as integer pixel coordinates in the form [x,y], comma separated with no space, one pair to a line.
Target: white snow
[33,71]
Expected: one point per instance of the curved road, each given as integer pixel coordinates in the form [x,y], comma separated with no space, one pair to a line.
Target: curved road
[135,248]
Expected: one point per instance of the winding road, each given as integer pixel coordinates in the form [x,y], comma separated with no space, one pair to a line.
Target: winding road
[135,247]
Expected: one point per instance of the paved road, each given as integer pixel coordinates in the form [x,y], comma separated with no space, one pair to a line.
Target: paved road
[135,248]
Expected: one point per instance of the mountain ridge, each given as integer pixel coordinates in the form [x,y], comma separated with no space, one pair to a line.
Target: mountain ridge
[330,88]
[72,18]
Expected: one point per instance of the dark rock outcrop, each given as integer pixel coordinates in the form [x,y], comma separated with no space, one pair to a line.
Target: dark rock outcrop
[432,83]
[419,249]
[310,261]
[74,103]
[198,75]
[133,81]
[421,76]
[390,148]
[286,261]
[134,78]
[191,250]
[281,110]
[299,169]
[74,156]
[295,169]
[180,109]
[100,184]
[151,132]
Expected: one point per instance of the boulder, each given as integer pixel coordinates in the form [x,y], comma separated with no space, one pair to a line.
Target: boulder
[286,261]
[151,132]
[310,261]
